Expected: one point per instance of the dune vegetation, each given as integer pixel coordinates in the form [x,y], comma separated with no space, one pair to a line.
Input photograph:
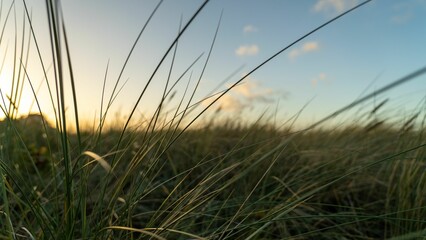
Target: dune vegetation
[171,179]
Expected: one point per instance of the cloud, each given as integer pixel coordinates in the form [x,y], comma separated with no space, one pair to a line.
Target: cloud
[310,46]
[245,89]
[402,18]
[294,53]
[230,103]
[252,91]
[244,96]
[307,47]
[249,29]
[317,79]
[247,50]
[333,7]
[404,11]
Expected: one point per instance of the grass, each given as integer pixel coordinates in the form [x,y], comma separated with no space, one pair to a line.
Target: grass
[228,182]
[167,179]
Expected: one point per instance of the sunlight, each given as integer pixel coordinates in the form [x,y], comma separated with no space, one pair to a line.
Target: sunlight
[5,87]
[22,100]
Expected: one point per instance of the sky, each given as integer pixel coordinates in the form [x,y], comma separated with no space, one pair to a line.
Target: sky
[361,52]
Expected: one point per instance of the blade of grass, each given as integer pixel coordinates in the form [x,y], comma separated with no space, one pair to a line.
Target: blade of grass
[74,92]
[6,20]
[19,83]
[26,64]
[12,106]
[5,205]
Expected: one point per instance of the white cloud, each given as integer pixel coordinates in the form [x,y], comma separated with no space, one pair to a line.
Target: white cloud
[251,90]
[247,50]
[402,12]
[245,89]
[333,7]
[250,29]
[294,54]
[307,47]
[402,18]
[227,102]
[318,78]
[405,11]
[244,96]
[230,103]
[310,46]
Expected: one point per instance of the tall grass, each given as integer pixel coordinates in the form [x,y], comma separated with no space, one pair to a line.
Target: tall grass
[165,179]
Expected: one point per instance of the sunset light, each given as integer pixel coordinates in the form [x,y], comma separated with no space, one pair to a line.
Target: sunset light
[212,119]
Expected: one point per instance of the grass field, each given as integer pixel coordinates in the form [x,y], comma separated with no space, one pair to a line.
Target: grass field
[221,181]
[171,179]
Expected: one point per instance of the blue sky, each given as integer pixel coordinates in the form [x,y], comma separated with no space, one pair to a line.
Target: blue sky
[361,52]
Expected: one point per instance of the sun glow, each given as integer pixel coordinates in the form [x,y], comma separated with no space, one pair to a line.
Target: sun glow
[16,96]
